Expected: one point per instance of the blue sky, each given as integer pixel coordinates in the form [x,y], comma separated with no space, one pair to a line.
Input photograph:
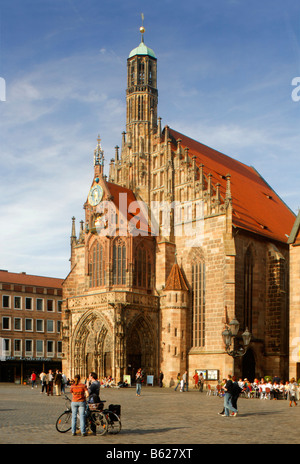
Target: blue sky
[225,71]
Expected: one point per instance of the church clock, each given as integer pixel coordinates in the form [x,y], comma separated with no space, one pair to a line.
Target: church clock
[95,195]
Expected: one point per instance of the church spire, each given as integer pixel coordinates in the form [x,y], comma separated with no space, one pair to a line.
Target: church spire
[98,158]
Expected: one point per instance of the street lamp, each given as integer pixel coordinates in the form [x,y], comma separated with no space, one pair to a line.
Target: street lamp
[229,334]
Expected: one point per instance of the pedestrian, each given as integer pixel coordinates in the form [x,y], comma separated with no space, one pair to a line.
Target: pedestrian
[185,382]
[33,380]
[196,378]
[93,386]
[178,379]
[236,390]
[49,383]
[43,382]
[64,382]
[57,382]
[293,391]
[201,382]
[138,381]
[79,393]
[161,376]
[227,398]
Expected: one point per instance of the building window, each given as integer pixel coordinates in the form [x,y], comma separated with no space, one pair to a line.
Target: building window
[198,293]
[6,323]
[40,325]
[58,326]
[18,323]
[28,303]
[5,346]
[248,289]
[50,326]
[50,348]
[28,348]
[141,72]
[17,347]
[143,268]
[119,264]
[59,303]
[97,266]
[39,304]
[28,325]
[39,348]
[50,305]
[17,302]
[5,301]
[132,75]
[59,349]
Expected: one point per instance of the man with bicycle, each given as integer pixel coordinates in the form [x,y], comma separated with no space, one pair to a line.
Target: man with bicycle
[94,394]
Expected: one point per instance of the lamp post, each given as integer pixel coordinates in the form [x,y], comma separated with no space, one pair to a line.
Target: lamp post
[229,334]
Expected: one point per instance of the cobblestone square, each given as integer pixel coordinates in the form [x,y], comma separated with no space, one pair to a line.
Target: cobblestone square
[160,416]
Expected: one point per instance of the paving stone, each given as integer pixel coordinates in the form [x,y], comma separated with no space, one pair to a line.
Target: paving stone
[160,416]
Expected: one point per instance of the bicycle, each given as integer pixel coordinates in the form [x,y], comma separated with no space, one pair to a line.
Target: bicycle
[112,415]
[95,417]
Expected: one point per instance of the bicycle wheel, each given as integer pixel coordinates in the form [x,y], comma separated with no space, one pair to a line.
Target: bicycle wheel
[100,422]
[64,422]
[114,423]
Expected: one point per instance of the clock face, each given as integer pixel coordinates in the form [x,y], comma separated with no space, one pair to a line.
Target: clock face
[95,195]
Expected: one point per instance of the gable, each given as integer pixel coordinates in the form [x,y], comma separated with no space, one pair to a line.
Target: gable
[256,206]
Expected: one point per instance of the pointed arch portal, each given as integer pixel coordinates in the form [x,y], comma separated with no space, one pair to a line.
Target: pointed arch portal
[92,346]
[141,348]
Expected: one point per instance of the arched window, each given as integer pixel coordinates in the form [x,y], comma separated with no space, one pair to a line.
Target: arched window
[132,75]
[96,265]
[248,289]
[142,268]
[198,298]
[141,73]
[119,263]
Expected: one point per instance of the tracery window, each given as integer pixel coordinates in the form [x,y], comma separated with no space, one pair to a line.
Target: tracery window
[119,263]
[141,73]
[198,298]
[96,265]
[248,289]
[142,274]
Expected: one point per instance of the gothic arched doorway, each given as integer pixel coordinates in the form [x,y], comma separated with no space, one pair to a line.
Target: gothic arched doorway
[248,366]
[92,346]
[140,348]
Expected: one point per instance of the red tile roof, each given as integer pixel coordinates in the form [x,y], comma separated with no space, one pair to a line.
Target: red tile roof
[176,281]
[135,217]
[30,280]
[256,206]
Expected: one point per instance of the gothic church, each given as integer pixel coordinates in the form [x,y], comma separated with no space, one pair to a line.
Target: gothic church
[178,240]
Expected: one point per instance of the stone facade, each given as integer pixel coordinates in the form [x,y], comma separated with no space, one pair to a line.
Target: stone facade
[294,320]
[189,252]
